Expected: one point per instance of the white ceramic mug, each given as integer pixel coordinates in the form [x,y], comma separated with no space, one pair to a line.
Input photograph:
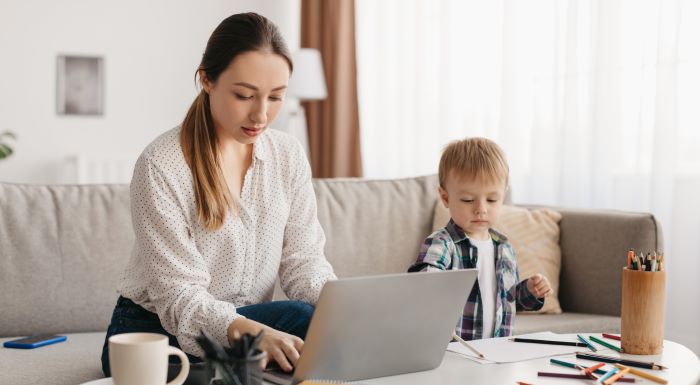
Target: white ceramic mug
[142,359]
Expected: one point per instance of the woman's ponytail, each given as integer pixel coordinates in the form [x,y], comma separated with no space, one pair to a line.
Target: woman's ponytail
[198,141]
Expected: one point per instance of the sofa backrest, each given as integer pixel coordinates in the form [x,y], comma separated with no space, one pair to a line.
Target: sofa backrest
[63,248]
[594,246]
[375,226]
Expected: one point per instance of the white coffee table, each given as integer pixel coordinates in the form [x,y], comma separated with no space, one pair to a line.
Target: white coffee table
[683,364]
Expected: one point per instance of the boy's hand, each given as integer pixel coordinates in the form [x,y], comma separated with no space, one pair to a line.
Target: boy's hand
[539,286]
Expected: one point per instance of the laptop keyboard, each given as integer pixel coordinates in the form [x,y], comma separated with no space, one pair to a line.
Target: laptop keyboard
[277,376]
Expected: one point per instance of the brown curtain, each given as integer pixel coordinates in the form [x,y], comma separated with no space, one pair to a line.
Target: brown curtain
[333,124]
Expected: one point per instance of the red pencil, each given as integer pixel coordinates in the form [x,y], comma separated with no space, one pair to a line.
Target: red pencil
[611,336]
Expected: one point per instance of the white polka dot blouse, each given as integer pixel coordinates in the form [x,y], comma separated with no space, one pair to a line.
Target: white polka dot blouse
[195,278]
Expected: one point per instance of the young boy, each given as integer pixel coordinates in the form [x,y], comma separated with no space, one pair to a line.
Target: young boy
[473,178]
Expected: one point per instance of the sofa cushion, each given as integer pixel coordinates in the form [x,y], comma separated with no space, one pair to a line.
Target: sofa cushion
[74,361]
[534,234]
[62,250]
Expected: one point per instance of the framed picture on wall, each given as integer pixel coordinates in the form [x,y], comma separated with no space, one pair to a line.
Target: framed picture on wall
[80,85]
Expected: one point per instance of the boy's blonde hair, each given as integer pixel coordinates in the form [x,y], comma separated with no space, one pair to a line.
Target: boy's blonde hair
[473,158]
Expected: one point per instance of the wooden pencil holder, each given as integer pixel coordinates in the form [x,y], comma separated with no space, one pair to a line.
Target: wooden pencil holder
[643,302]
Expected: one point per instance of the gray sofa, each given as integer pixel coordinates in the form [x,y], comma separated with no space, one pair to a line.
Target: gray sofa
[62,249]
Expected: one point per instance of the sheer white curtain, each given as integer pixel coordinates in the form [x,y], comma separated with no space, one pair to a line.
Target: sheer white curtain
[596,103]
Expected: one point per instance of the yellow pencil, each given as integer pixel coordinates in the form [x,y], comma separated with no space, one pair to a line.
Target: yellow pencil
[643,374]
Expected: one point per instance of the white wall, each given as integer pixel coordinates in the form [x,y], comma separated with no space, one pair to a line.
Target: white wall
[150,49]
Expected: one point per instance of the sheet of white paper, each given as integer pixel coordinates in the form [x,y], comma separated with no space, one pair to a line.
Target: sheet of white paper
[458,348]
[502,349]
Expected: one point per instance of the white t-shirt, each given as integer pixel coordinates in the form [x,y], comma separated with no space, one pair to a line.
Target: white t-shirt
[487,282]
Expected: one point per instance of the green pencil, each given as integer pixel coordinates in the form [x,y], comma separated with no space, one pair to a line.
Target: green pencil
[607,345]
[573,366]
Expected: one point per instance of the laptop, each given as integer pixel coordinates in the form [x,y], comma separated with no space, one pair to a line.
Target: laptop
[384,325]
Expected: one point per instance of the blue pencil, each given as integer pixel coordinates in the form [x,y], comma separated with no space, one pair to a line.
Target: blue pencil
[607,375]
[585,341]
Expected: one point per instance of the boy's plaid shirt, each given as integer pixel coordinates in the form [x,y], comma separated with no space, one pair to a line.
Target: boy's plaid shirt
[450,249]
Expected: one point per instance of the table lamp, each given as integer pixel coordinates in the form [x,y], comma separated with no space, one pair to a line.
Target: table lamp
[306,83]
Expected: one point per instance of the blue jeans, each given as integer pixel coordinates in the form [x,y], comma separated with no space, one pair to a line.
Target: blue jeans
[291,317]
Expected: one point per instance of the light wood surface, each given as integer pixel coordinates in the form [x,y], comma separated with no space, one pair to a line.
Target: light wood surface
[642,323]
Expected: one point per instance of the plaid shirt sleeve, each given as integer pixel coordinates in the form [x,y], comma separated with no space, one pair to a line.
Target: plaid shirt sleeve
[526,300]
[434,254]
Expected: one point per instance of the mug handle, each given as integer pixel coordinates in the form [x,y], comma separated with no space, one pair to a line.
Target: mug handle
[184,371]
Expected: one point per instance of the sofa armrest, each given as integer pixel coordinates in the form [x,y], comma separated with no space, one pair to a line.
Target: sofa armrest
[594,246]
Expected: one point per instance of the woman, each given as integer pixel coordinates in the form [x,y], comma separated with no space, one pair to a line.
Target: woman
[221,206]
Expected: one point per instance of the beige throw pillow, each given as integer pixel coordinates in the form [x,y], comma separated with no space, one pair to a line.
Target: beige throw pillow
[534,235]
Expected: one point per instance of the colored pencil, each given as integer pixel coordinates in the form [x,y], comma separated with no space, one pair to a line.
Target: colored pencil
[643,374]
[630,258]
[616,377]
[548,342]
[573,366]
[589,371]
[607,375]
[585,341]
[578,376]
[607,345]
[465,343]
[611,336]
[623,361]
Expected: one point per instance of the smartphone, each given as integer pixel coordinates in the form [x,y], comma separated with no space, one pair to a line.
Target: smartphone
[32,342]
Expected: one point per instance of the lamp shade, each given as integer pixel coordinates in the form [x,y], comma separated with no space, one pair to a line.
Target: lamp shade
[307,81]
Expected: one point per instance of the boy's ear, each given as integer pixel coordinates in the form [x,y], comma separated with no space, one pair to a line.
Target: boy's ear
[443,197]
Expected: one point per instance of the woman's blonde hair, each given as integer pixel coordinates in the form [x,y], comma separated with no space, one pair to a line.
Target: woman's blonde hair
[237,34]
[473,158]
[198,141]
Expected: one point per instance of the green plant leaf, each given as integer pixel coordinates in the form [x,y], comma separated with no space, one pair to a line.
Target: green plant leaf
[5,151]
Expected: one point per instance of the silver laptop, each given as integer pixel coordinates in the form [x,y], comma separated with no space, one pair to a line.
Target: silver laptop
[382,325]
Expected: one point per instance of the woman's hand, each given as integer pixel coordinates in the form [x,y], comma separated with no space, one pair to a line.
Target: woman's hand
[539,286]
[279,346]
